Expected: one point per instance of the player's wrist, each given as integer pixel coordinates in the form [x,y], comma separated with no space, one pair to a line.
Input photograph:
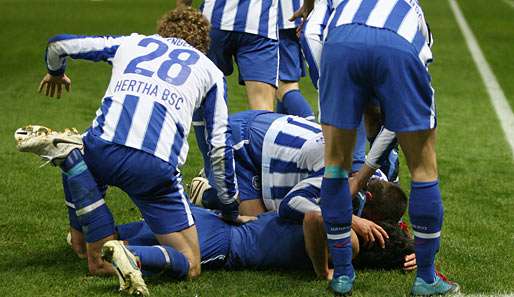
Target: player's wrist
[230,212]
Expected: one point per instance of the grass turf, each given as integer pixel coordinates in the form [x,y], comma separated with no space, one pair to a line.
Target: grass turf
[474,160]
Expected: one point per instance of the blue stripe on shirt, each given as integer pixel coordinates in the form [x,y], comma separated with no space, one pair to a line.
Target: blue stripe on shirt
[153,130]
[362,14]
[241,15]
[280,192]
[419,41]
[280,166]
[287,140]
[303,125]
[397,15]
[101,55]
[106,105]
[125,119]
[264,19]
[337,14]
[217,13]
[178,142]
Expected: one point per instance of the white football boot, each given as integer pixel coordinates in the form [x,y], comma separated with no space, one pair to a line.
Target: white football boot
[198,186]
[50,145]
[125,265]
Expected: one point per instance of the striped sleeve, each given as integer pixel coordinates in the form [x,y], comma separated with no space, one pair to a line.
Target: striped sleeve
[384,140]
[220,141]
[93,48]
[303,198]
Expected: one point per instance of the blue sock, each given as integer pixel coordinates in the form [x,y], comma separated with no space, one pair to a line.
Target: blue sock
[296,104]
[161,258]
[280,107]
[336,208]
[426,216]
[72,216]
[90,209]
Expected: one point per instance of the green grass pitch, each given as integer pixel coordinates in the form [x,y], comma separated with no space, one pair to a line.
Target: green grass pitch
[476,167]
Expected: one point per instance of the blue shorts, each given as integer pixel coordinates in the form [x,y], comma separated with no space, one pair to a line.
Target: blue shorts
[268,242]
[153,184]
[248,131]
[213,236]
[256,56]
[379,63]
[291,67]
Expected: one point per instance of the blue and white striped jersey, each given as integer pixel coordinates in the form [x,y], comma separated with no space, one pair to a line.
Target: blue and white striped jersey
[292,151]
[318,19]
[156,85]
[286,9]
[405,17]
[251,16]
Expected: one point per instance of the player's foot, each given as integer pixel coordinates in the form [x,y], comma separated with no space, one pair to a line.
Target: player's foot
[198,186]
[342,285]
[441,286]
[50,145]
[125,265]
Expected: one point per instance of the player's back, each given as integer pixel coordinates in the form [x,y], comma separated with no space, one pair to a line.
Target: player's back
[292,151]
[268,242]
[156,85]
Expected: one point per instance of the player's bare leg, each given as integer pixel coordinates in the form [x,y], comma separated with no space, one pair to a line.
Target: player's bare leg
[336,204]
[261,96]
[185,242]
[425,210]
[95,263]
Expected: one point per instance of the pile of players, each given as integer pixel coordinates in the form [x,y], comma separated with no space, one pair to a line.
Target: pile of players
[287,191]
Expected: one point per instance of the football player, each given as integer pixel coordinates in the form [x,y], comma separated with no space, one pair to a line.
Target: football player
[268,242]
[382,49]
[291,65]
[137,141]
[245,31]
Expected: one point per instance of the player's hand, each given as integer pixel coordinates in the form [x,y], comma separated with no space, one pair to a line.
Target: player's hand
[303,12]
[369,231]
[245,219]
[410,262]
[53,85]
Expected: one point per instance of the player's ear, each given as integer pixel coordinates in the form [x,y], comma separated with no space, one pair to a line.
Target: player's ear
[369,196]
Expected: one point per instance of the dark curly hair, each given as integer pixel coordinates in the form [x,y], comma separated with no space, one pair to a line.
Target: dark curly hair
[388,202]
[392,256]
[186,23]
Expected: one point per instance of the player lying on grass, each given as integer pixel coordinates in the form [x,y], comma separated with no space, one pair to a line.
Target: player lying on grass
[137,141]
[277,156]
[268,242]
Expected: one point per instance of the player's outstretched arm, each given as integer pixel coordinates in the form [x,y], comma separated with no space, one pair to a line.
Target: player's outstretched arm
[92,48]
[316,244]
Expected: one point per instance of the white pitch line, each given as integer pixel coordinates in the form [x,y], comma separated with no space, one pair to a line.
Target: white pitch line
[509,2]
[498,99]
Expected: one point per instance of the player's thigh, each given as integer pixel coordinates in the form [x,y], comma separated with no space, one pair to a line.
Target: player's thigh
[221,50]
[419,150]
[339,144]
[291,66]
